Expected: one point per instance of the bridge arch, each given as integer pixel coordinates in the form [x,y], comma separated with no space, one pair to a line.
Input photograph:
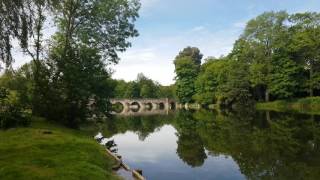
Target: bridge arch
[142,105]
[172,105]
[118,107]
[135,106]
[148,106]
[161,105]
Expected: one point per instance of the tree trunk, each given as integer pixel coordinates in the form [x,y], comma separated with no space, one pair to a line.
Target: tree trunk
[37,85]
[268,118]
[267,95]
[310,81]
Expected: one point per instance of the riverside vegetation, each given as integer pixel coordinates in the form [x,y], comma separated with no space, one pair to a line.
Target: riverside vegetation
[276,58]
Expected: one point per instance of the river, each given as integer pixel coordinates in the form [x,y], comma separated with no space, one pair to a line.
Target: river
[204,145]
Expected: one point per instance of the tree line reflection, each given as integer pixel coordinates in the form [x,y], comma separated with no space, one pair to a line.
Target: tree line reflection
[265,145]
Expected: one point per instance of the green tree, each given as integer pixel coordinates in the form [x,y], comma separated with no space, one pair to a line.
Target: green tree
[148,88]
[235,88]
[187,67]
[193,53]
[142,87]
[11,112]
[21,82]
[263,34]
[23,20]
[88,38]
[167,92]
[305,45]
[120,88]
[212,75]
[224,81]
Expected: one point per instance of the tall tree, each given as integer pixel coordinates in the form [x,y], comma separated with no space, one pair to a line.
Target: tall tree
[193,53]
[23,20]
[90,33]
[263,33]
[306,45]
[187,67]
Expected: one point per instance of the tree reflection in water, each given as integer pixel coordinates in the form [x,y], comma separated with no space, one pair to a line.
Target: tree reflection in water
[190,146]
[265,145]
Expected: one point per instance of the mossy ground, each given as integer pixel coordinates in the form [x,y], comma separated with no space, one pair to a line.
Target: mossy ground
[49,151]
[309,105]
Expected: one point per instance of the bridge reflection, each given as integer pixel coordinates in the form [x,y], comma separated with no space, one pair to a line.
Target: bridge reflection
[139,107]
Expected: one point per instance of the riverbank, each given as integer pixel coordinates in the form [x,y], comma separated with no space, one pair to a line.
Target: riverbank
[49,151]
[310,105]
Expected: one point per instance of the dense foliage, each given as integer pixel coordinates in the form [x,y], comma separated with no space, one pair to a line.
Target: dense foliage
[187,67]
[11,113]
[71,71]
[276,57]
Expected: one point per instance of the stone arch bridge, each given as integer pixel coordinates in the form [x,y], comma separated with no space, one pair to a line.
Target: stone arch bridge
[145,106]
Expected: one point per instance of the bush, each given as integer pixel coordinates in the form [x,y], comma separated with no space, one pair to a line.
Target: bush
[11,114]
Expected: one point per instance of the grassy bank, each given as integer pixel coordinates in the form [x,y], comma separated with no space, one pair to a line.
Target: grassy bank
[309,105]
[49,151]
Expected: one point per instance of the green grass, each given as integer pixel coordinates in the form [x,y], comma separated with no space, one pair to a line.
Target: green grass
[309,105]
[28,153]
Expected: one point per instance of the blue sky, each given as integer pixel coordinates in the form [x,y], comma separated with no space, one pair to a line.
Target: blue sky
[167,26]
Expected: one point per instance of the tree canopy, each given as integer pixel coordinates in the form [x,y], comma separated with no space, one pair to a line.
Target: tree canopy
[276,57]
[187,67]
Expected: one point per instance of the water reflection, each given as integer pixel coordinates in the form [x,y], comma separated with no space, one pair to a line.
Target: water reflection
[190,146]
[220,145]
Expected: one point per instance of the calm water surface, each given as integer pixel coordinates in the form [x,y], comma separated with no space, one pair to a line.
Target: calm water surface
[220,145]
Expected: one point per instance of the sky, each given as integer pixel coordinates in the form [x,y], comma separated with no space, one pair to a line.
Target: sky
[168,26]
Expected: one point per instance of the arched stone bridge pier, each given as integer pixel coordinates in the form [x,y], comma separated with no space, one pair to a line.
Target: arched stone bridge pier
[145,105]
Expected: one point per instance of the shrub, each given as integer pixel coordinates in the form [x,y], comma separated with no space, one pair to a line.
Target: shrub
[11,114]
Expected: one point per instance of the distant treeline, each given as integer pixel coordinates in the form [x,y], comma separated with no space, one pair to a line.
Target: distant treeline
[142,87]
[276,57]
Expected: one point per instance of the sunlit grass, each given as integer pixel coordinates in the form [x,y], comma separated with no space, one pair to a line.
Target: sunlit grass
[49,151]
